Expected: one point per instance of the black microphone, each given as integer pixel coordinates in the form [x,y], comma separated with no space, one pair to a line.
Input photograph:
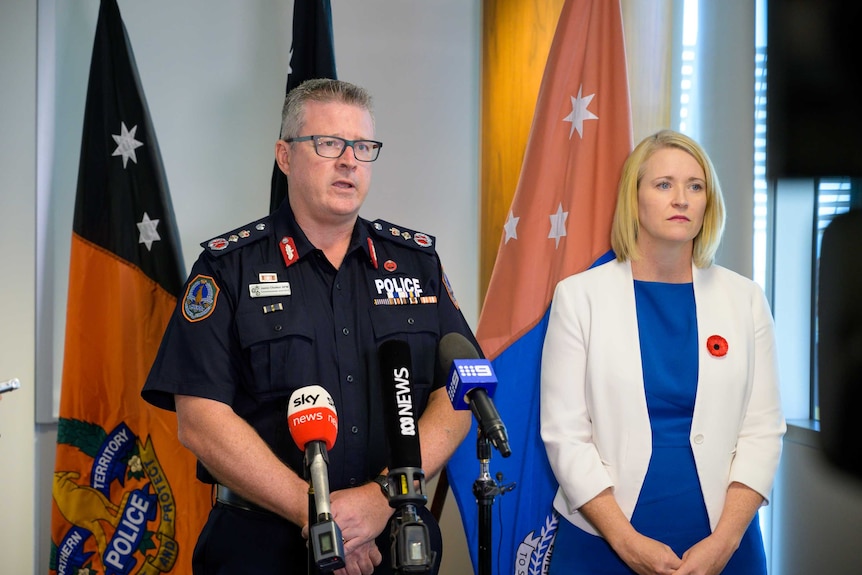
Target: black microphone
[411,548]
[471,384]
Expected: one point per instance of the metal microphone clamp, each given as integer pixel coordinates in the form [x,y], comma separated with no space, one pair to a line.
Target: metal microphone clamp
[411,545]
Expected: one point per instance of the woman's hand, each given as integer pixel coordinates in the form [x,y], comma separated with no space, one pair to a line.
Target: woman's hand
[647,556]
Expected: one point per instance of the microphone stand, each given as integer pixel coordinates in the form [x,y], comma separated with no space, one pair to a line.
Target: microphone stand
[485,489]
[326,547]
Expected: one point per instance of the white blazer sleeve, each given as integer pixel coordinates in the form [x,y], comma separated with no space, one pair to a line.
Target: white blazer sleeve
[566,427]
[759,446]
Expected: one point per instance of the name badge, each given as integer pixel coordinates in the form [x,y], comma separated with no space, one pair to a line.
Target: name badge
[269,289]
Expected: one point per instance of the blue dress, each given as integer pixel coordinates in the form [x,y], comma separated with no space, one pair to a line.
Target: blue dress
[670,506]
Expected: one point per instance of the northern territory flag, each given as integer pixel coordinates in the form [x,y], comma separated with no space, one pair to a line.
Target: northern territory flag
[558,225]
[125,497]
[312,56]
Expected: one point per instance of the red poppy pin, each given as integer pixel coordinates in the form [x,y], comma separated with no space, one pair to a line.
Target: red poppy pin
[716,345]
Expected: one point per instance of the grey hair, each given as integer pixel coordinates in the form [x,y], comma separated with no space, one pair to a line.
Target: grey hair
[322,90]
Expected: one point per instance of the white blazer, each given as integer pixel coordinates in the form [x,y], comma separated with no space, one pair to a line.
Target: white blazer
[594,418]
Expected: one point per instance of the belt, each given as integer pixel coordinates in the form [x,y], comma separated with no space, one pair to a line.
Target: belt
[232,499]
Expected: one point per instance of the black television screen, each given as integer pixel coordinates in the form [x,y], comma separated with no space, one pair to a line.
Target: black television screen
[814,88]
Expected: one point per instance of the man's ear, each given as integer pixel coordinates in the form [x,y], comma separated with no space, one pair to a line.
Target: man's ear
[282,156]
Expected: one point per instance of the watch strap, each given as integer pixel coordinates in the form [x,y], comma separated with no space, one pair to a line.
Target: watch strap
[383,482]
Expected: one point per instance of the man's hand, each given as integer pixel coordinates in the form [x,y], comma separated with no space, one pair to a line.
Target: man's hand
[362,514]
[361,560]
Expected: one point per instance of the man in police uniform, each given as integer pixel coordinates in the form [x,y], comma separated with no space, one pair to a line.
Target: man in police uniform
[303,297]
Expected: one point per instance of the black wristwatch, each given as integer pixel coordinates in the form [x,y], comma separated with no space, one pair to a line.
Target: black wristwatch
[383,482]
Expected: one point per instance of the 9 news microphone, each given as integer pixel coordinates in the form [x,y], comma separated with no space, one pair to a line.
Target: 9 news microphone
[471,384]
[411,547]
[313,426]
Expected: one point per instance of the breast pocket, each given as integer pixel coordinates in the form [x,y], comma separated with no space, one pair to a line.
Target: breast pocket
[277,347]
[419,327]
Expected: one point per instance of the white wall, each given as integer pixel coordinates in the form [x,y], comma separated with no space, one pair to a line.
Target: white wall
[214,74]
[17,350]
[725,99]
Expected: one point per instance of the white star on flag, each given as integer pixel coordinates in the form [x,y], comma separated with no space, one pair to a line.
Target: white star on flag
[147,227]
[126,144]
[511,227]
[558,225]
[580,113]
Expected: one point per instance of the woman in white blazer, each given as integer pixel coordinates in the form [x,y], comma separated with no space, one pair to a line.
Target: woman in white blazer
[660,410]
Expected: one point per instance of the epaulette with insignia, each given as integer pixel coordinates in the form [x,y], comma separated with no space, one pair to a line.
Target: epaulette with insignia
[402,235]
[239,237]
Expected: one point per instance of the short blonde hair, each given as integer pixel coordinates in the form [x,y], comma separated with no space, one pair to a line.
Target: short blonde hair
[624,232]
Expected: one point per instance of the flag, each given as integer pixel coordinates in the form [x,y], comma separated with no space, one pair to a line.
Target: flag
[313,56]
[558,225]
[125,497]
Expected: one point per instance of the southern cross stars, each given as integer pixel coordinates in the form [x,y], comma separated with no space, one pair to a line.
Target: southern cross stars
[576,117]
[147,227]
[580,113]
[126,144]
[558,225]
[511,227]
[557,228]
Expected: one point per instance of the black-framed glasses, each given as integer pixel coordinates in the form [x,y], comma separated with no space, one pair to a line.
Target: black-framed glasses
[333,147]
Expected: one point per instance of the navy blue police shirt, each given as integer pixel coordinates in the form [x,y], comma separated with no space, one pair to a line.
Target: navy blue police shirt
[264,313]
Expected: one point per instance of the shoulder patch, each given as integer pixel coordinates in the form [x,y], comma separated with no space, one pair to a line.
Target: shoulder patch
[200,298]
[234,239]
[450,291]
[402,235]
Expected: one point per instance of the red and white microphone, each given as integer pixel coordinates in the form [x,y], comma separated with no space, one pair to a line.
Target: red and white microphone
[311,417]
[313,425]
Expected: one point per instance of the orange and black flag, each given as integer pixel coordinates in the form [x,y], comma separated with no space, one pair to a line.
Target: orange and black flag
[312,55]
[125,497]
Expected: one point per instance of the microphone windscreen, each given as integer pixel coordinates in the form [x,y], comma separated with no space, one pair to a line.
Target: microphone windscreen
[455,346]
[311,416]
[396,373]
[467,371]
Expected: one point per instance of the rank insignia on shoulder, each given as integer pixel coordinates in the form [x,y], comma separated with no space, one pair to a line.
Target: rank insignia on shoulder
[200,298]
[217,244]
[401,235]
[236,238]
[423,240]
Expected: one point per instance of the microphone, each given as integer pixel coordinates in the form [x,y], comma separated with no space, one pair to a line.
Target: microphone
[411,547]
[470,385]
[10,385]
[313,425]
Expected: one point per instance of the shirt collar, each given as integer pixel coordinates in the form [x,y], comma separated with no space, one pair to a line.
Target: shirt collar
[285,226]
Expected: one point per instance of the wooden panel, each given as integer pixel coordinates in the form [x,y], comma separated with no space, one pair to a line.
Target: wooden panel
[516,39]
